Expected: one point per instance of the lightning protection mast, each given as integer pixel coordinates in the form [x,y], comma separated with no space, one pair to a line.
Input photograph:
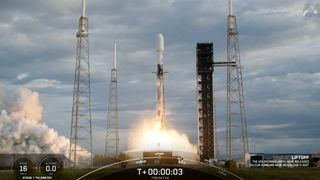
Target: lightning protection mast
[81,121]
[236,135]
[112,132]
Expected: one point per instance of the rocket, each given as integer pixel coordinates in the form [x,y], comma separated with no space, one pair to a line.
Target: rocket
[160,116]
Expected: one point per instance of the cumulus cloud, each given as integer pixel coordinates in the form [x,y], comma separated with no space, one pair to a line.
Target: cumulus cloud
[272,126]
[21,76]
[43,83]
[311,10]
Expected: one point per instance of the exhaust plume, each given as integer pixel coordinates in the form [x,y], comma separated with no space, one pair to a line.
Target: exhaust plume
[22,130]
[147,135]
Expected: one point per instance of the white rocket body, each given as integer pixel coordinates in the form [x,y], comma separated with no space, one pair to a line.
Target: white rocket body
[160,116]
[160,49]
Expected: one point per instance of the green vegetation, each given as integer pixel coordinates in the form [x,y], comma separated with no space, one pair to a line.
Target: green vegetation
[278,173]
[6,174]
[71,174]
[230,165]
[66,174]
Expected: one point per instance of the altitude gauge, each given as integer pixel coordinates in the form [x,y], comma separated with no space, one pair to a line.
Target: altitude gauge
[50,166]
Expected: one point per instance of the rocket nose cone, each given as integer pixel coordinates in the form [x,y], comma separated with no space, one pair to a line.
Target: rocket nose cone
[160,43]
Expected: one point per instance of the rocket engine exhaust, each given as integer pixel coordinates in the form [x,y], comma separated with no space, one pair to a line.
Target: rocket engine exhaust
[156,134]
[22,130]
[160,116]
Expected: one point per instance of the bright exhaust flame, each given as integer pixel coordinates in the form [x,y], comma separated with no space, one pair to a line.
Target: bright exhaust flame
[147,135]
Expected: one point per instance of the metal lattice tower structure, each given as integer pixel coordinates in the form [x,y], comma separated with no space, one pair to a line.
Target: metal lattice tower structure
[81,120]
[206,116]
[112,133]
[236,132]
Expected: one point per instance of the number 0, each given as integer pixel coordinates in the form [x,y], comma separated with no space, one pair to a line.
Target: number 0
[51,169]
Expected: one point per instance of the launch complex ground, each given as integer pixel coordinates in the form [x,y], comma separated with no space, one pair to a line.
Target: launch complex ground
[165,165]
[119,172]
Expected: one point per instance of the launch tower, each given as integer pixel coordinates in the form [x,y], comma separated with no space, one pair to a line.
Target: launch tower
[81,127]
[112,135]
[236,133]
[206,118]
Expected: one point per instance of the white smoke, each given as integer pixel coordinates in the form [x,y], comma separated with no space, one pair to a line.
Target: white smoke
[22,130]
[311,10]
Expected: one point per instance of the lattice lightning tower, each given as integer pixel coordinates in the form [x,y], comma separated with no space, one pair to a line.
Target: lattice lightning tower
[112,135]
[236,135]
[81,126]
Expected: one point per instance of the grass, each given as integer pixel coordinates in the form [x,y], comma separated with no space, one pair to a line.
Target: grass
[67,174]
[4,175]
[71,174]
[278,173]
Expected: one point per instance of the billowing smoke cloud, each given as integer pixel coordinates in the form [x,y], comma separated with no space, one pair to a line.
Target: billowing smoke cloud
[311,10]
[22,130]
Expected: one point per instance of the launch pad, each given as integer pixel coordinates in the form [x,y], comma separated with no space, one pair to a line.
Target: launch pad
[164,157]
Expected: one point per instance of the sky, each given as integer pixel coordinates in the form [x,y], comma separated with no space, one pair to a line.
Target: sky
[279,44]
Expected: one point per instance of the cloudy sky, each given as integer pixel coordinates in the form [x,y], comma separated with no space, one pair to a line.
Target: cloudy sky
[279,44]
